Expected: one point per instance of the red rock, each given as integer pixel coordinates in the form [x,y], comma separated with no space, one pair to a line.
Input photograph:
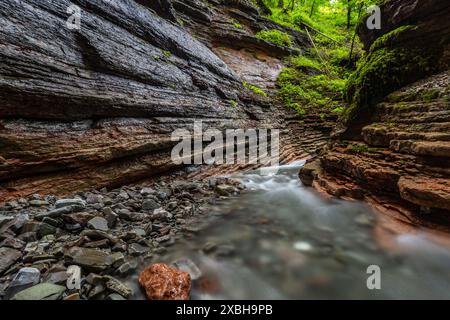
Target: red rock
[427,192]
[162,282]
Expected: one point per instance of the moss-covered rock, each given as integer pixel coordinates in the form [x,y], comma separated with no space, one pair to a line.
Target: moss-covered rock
[383,71]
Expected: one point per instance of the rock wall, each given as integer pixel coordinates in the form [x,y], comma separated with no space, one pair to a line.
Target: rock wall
[395,152]
[95,107]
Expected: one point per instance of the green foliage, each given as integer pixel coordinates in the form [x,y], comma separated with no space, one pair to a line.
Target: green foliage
[255,89]
[233,103]
[275,36]
[301,91]
[305,62]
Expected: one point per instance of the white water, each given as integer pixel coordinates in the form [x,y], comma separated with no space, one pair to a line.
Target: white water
[290,242]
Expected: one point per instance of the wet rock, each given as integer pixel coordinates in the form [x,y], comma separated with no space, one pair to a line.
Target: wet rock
[225,190]
[164,283]
[45,229]
[115,259]
[139,232]
[136,249]
[209,247]
[4,220]
[8,257]
[59,277]
[147,191]
[225,250]
[90,259]
[25,278]
[130,216]
[187,265]
[98,235]
[118,287]
[13,243]
[150,205]
[38,203]
[94,198]
[43,291]
[127,268]
[55,213]
[115,296]
[70,202]
[160,214]
[110,216]
[98,223]
[303,246]
[426,192]
[80,218]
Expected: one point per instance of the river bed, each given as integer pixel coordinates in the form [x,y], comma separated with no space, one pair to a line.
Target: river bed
[281,240]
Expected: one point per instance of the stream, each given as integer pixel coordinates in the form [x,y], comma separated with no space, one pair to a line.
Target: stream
[281,240]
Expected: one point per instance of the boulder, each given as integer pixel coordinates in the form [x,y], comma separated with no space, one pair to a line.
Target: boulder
[162,282]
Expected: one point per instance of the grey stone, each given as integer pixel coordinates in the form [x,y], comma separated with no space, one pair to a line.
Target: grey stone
[118,287]
[4,220]
[130,216]
[59,277]
[225,190]
[55,213]
[43,291]
[135,249]
[46,229]
[90,259]
[8,257]
[147,191]
[150,205]
[115,259]
[98,223]
[115,296]
[13,243]
[38,203]
[25,278]
[127,268]
[70,202]
[110,216]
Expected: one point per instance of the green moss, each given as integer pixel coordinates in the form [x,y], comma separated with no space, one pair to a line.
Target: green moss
[305,62]
[167,53]
[255,89]
[359,148]
[233,103]
[276,37]
[384,71]
[237,25]
[390,37]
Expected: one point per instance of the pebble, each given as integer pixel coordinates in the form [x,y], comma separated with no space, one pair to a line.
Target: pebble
[70,202]
[98,223]
[303,246]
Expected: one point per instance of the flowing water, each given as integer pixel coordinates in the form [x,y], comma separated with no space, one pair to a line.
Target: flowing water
[280,240]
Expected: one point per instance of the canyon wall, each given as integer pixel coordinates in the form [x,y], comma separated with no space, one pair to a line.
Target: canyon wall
[393,147]
[96,107]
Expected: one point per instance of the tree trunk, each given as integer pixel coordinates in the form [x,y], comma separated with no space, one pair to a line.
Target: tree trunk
[349,14]
[312,8]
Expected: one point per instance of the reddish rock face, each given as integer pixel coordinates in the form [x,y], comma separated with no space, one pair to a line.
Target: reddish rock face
[164,283]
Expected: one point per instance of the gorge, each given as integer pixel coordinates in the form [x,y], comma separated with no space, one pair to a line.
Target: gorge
[87,177]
